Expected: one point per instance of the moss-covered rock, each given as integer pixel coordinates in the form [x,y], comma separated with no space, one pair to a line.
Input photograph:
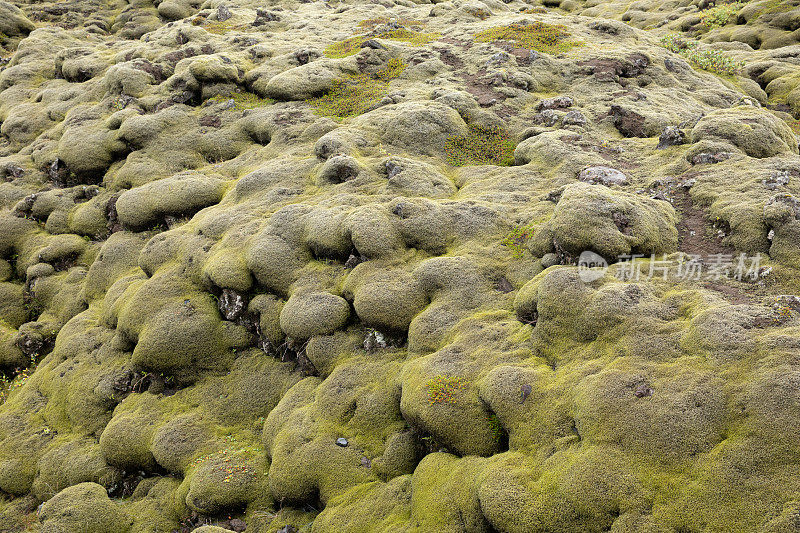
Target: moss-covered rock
[180,195]
[621,224]
[307,314]
[83,507]
[756,132]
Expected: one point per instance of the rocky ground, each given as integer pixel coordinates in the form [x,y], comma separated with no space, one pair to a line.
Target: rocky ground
[321,266]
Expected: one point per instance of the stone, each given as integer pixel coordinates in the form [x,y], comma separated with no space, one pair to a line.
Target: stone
[603,175]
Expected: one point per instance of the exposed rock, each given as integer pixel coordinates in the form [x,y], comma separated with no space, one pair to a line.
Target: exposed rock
[671,136]
[604,175]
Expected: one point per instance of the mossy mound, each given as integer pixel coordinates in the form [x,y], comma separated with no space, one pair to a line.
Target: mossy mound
[83,507]
[620,224]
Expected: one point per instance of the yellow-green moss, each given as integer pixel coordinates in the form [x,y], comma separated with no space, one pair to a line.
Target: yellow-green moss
[548,38]
[218,28]
[371,23]
[242,100]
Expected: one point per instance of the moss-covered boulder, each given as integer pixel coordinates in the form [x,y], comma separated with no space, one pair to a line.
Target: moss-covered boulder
[756,132]
[612,224]
[83,507]
[307,314]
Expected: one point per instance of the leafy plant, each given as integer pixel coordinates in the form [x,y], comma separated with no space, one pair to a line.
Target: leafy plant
[357,94]
[711,60]
[548,38]
[517,238]
[443,389]
[495,427]
[720,15]
[483,145]
[9,385]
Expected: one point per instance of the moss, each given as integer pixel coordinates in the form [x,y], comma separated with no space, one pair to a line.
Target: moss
[242,100]
[219,28]
[225,480]
[756,132]
[388,301]
[313,313]
[517,238]
[126,439]
[371,23]
[83,507]
[143,206]
[442,473]
[69,463]
[624,224]
[179,441]
[537,36]
[372,506]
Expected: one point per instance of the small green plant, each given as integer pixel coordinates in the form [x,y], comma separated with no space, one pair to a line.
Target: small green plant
[242,100]
[711,60]
[7,386]
[483,145]
[720,15]
[443,389]
[517,238]
[357,94]
[120,102]
[547,38]
[352,45]
[495,427]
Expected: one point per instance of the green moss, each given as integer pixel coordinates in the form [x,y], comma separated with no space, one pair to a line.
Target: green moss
[548,38]
[84,507]
[495,427]
[242,100]
[218,28]
[483,145]
[357,94]
[371,23]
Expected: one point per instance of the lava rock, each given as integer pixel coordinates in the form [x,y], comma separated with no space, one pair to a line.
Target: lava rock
[671,136]
[603,175]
